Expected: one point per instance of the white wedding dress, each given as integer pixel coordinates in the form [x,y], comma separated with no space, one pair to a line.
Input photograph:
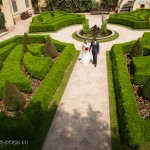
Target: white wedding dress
[85,54]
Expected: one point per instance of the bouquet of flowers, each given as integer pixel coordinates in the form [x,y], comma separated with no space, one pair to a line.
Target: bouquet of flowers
[86,48]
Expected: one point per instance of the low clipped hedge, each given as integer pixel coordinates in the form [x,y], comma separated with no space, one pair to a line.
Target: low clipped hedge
[133,129]
[26,126]
[37,67]
[60,20]
[128,115]
[4,52]
[141,67]
[134,19]
[13,73]
[1,63]
[36,49]
[146,50]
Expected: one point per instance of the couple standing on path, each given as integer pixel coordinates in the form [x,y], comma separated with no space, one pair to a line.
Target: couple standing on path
[86,51]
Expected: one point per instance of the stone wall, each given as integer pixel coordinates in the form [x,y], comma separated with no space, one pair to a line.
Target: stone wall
[12,17]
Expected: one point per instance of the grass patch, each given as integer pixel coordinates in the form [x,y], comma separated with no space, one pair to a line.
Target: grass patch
[115,36]
[116,144]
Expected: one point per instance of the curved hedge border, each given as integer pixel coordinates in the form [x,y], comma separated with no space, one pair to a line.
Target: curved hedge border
[37,67]
[62,19]
[4,52]
[12,71]
[133,129]
[25,126]
[36,49]
[132,21]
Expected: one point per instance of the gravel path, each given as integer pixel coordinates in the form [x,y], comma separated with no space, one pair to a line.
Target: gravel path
[82,121]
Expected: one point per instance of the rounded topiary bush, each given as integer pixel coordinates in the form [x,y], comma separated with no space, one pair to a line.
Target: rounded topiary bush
[50,49]
[146,90]
[13,99]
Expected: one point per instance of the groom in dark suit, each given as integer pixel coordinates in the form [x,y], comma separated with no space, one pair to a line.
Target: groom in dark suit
[95,50]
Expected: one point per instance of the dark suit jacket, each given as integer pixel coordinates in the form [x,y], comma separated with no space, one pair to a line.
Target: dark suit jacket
[95,48]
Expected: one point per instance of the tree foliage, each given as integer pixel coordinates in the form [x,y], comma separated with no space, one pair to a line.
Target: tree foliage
[13,99]
[86,26]
[104,26]
[50,49]
[69,5]
[26,40]
[137,49]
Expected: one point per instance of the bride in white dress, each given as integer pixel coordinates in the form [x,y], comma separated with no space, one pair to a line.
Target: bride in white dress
[85,53]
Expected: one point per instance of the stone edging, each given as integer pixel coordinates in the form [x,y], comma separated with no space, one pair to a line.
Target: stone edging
[80,36]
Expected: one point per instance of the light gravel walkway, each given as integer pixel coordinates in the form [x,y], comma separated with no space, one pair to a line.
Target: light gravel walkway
[82,121]
[21,27]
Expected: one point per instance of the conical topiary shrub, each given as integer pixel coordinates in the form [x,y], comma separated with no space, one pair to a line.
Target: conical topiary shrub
[137,49]
[13,99]
[146,90]
[26,40]
[50,49]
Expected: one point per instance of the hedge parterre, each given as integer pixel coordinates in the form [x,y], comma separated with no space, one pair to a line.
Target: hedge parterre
[138,19]
[37,67]
[44,22]
[12,71]
[26,125]
[133,129]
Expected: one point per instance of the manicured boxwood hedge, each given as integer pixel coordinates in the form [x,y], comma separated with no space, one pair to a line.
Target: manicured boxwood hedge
[136,19]
[36,49]
[61,19]
[12,71]
[4,52]
[141,67]
[134,130]
[37,67]
[25,126]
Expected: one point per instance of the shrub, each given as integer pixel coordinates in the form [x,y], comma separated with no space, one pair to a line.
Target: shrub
[4,52]
[140,66]
[1,63]
[86,26]
[13,99]
[50,49]
[26,40]
[127,110]
[37,67]
[27,125]
[146,50]
[134,19]
[12,71]
[52,14]
[146,90]
[36,49]
[62,19]
[104,27]
[137,49]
